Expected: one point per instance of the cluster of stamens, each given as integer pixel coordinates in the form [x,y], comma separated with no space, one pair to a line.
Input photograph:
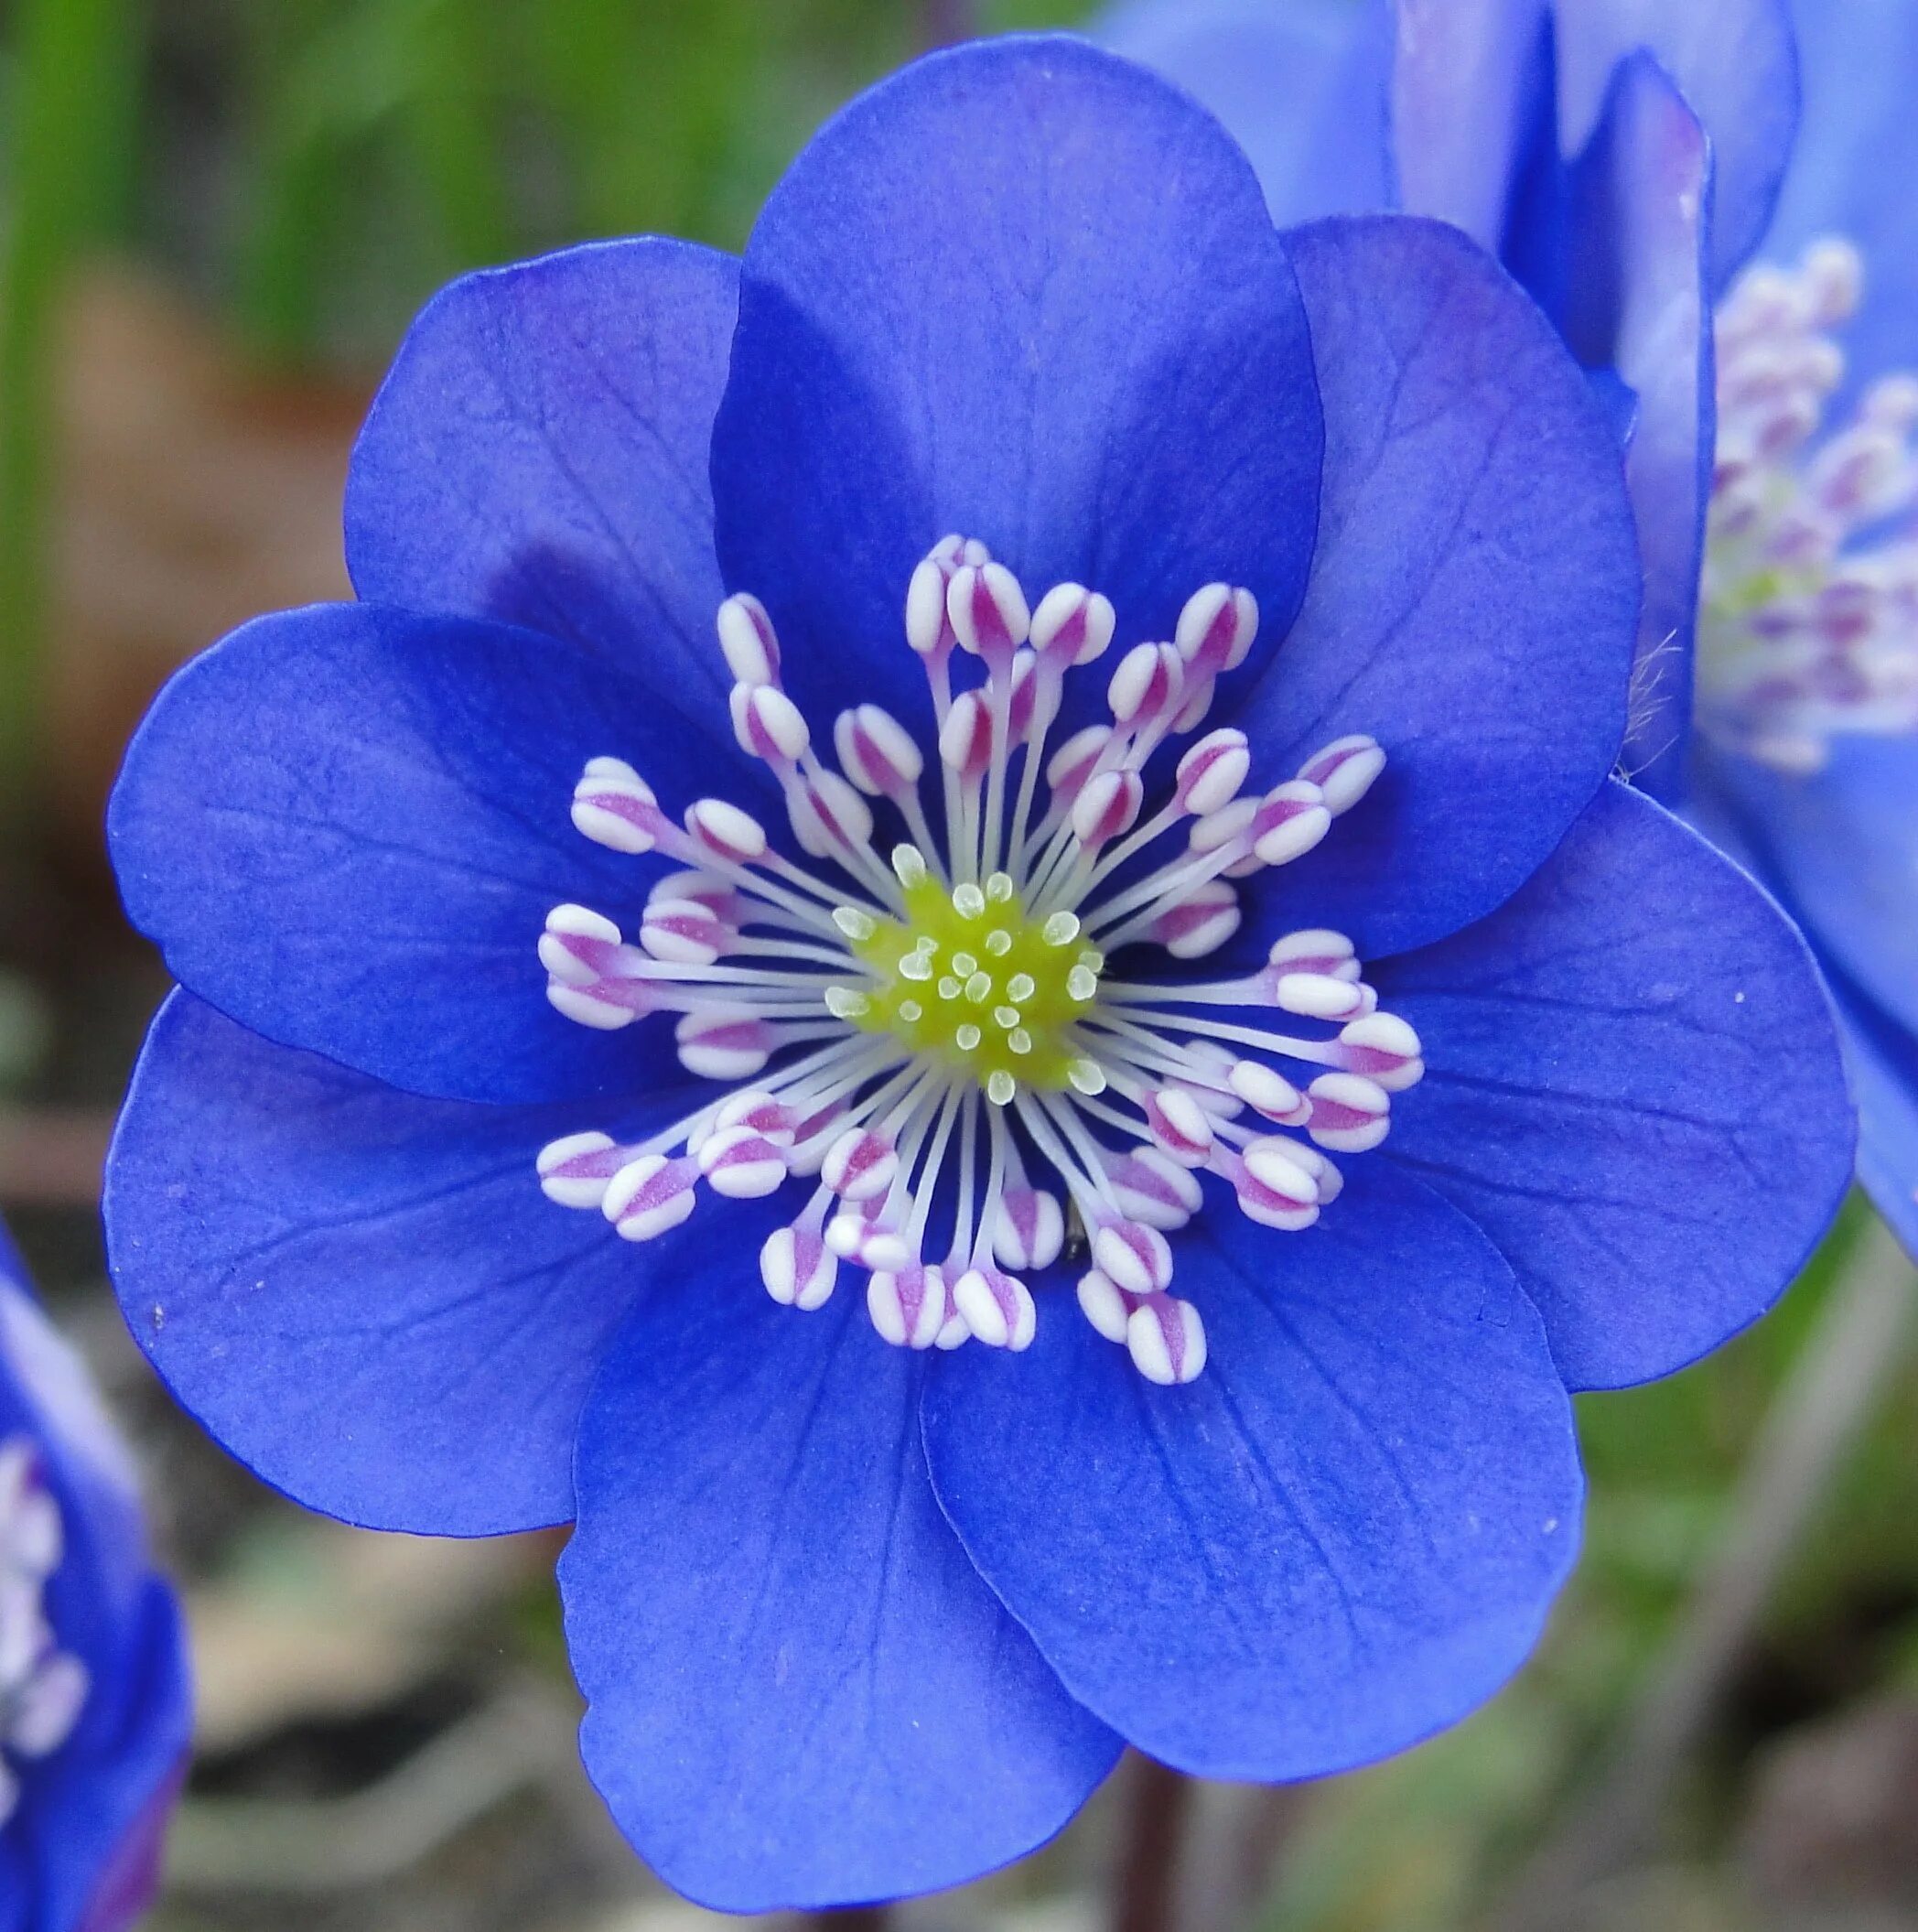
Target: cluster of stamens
[935,1037]
[42,1688]
[1808,622]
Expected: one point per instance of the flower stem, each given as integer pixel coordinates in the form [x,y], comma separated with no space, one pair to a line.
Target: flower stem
[1154,1817]
[1862,1337]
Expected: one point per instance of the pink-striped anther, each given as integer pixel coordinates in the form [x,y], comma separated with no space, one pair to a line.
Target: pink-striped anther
[1108,806]
[605,1005]
[1075,761]
[1072,626]
[997,1308]
[683,932]
[720,1042]
[1350,1113]
[1138,1257]
[768,725]
[1269,1094]
[1213,772]
[966,739]
[706,889]
[860,1165]
[1179,1126]
[987,611]
[1290,820]
[1024,703]
[614,806]
[733,836]
[1274,1187]
[827,814]
[1201,923]
[763,1113]
[1216,629]
[1385,1049]
[1315,950]
[1147,685]
[748,640]
[651,1195]
[929,630]
[1029,1229]
[1152,1188]
[909,1305]
[876,752]
[1317,996]
[574,1171]
[798,1268]
[1345,771]
[871,1241]
[1166,1340]
[1105,1305]
[579,946]
[741,1163]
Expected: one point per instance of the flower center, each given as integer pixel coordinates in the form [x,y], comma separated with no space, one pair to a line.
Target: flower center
[42,1688]
[965,977]
[927,1028]
[1809,619]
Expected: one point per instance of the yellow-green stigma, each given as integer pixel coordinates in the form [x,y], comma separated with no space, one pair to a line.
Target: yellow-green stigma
[967,978]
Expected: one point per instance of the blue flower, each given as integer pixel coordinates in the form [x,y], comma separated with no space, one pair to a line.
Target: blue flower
[485,943]
[1624,157]
[95,1705]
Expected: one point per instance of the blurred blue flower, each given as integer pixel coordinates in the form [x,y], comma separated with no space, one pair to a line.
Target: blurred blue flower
[477,919]
[95,1705]
[1624,159]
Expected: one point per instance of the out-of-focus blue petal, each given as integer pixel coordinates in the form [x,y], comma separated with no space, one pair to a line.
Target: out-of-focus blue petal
[346,825]
[1639,304]
[1634,1088]
[75,1855]
[1852,170]
[1882,1057]
[1301,85]
[1843,845]
[539,455]
[1473,601]
[363,1295]
[1341,1537]
[1735,63]
[1026,292]
[800,1693]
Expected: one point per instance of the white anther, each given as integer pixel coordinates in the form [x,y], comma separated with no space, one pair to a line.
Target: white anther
[966,739]
[1166,1340]
[969,900]
[798,1268]
[1216,628]
[649,1196]
[1317,995]
[997,1308]
[1152,1188]
[725,831]
[878,752]
[1075,761]
[724,1043]
[1001,1086]
[859,1165]
[682,931]
[908,1305]
[1060,930]
[741,1163]
[606,1006]
[1179,1126]
[1318,949]
[1086,1076]
[1291,820]
[1147,682]
[614,806]
[986,609]
[1108,806]
[575,1170]
[1276,1166]
[909,864]
[1134,1257]
[1385,1050]
[1345,771]
[748,640]
[1833,277]
[1350,1113]
[826,816]
[1029,1230]
[926,628]
[1106,1307]
[1268,1093]
[1081,983]
[573,947]
[768,725]
[1211,773]
[1074,622]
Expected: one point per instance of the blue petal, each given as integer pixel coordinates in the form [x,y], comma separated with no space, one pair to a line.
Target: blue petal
[1339,1538]
[1882,1057]
[1301,85]
[1735,64]
[78,1847]
[801,1693]
[1634,1088]
[1640,302]
[1853,166]
[1026,292]
[1474,597]
[364,1296]
[346,825]
[539,455]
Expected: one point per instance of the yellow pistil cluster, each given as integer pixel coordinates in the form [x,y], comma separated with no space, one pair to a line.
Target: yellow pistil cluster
[967,978]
